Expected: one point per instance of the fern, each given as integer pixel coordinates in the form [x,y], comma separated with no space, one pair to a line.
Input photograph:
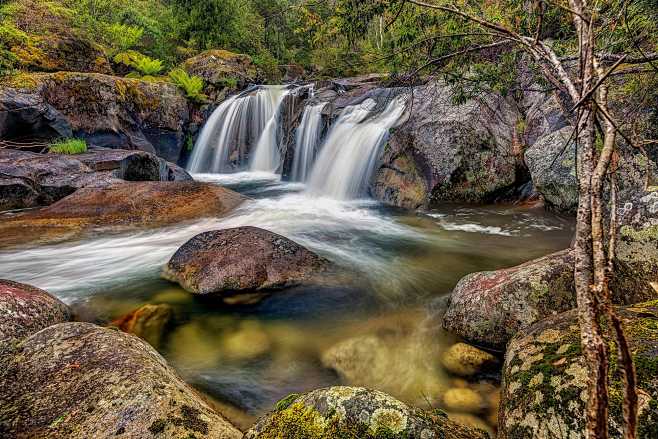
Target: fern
[191,85]
[143,65]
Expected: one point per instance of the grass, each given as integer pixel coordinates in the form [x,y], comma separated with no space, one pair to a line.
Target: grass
[68,146]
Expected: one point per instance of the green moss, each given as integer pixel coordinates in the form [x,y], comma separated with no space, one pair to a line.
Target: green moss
[284,403]
[643,235]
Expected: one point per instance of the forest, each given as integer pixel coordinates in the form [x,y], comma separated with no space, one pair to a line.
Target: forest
[351,219]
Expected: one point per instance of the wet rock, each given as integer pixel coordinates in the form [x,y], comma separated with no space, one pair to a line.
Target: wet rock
[100,383]
[354,412]
[545,377]
[466,360]
[463,400]
[120,207]
[471,421]
[230,262]
[248,342]
[148,322]
[551,162]
[449,152]
[25,310]
[488,308]
[107,111]
[132,165]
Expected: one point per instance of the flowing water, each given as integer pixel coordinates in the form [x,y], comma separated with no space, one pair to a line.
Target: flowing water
[384,335]
[307,139]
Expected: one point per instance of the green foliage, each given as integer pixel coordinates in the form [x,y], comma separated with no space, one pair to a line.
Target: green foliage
[191,85]
[68,146]
[144,66]
[123,36]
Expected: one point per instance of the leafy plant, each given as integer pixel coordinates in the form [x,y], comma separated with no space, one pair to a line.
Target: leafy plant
[191,85]
[68,146]
[123,36]
[143,65]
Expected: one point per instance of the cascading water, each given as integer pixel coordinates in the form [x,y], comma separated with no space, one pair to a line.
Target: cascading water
[233,127]
[266,156]
[306,142]
[348,156]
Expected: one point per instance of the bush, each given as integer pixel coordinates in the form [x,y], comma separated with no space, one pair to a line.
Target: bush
[143,65]
[68,146]
[191,85]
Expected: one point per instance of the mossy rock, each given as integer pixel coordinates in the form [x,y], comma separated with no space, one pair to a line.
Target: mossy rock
[354,413]
[545,377]
[78,380]
[223,69]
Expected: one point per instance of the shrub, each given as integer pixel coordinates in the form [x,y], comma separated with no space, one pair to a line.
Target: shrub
[123,36]
[191,85]
[143,65]
[68,146]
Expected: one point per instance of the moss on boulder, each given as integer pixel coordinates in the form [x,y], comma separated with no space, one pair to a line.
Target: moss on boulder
[545,377]
[221,69]
[354,413]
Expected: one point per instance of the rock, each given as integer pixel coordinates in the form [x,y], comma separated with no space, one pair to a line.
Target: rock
[248,342]
[449,152]
[359,360]
[243,260]
[99,383]
[25,310]
[488,308]
[471,421]
[545,377]
[148,322]
[354,412]
[52,40]
[222,69]
[551,161]
[194,346]
[120,207]
[463,400]
[466,360]
[107,111]
[29,179]
[636,253]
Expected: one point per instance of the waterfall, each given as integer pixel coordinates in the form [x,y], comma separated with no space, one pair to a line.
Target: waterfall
[345,164]
[306,142]
[266,157]
[233,127]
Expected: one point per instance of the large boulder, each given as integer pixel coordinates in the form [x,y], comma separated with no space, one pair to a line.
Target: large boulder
[44,36]
[221,69]
[243,260]
[119,207]
[25,310]
[449,152]
[30,179]
[545,377]
[354,412]
[78,380]
[488,308]
[105,110]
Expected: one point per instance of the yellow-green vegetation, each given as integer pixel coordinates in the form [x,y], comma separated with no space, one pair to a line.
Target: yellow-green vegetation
[68,146]
[191,85]
[145,67]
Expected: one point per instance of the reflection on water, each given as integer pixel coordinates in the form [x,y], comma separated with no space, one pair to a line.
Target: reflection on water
[252,356]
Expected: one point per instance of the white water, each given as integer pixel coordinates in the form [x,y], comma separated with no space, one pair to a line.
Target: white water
[306,142]
[348,156]
[233,128]
[266,156]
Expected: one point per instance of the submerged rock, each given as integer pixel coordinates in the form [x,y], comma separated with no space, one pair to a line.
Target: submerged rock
[29,179]
[463,400]
[120,207]
[466,360]
[99,383]
[231,262]
[147,322]
[354,412]
[545,377]
[488,308]
[25,310]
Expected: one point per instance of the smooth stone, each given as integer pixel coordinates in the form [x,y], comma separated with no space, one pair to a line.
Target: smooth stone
[463,400]
[148,322]
[466,360]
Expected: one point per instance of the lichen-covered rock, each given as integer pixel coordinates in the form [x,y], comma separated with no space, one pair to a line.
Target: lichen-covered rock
[243,260]
[107,111]
[551,161]
[545,378]
[488,308]
[99,383]
[119,207]
[222,69]
[25,310]
[636,253]
[466,360]
[29,179]
[354,413]
[444,151]
[147,322]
